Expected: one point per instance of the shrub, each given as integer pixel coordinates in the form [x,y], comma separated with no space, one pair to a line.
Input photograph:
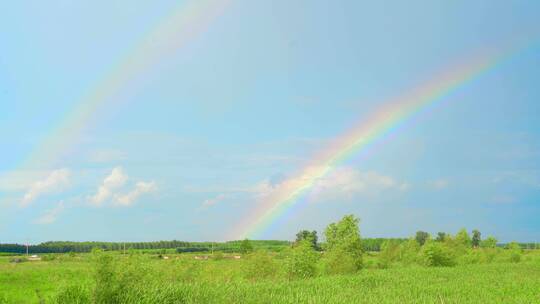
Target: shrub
[514,252]
[302,261]
[473,257]
[390,251]
[436,254]
[489,242]
[18,260]
[409,252]
[48,257]
[339,261]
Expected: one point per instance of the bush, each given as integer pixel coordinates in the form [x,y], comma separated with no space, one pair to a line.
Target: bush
[514,252]
[409,252]
[473,257]
[18,260]
[340,261]
[48,257]
[302,261]
[436,254]
[390,251]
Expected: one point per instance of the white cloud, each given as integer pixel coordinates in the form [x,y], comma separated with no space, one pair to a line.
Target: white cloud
[116,179]
[341,184]
[56,181]
[51,215]
[140,189]
[439,184]
[347,183]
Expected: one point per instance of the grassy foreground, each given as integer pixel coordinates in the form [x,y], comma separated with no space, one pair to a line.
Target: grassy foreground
[185,280]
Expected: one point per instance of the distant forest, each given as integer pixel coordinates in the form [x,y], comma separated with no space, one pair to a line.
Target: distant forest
[369,244]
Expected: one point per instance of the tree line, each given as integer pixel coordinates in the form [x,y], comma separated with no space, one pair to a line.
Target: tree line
[368,244]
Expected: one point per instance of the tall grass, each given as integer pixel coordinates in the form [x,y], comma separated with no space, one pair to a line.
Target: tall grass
[265,278]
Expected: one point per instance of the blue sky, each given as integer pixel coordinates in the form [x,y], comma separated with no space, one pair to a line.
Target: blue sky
[185,147]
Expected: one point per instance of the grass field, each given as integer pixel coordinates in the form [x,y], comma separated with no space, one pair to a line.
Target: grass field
[182,279]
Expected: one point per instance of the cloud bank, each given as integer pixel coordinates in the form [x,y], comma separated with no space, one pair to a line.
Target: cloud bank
[56,181]
[114,183]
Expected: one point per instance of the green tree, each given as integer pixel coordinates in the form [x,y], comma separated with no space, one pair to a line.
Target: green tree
[245,246]
[421,237]
[309,236]
[489,242]
[462,238]
[476,238]
[343,237]
[440,236]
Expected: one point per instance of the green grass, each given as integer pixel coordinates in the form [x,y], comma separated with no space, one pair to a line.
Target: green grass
[185,280]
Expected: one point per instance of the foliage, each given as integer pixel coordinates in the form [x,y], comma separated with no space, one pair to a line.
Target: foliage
[409,252]
[246,247]
[48,257]
[462,238]
[311,237]
[437,254]
[375,244]
[514,252]
[260,266]
[421,237]
[390,252]
[489,242]
[476,238]
[343,239]
[440,236]
[301,261]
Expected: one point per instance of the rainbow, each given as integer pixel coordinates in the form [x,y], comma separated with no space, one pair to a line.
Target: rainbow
[174,31]
[285,197]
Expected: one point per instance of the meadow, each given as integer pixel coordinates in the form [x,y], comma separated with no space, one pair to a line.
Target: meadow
[144,278]
[446,269]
